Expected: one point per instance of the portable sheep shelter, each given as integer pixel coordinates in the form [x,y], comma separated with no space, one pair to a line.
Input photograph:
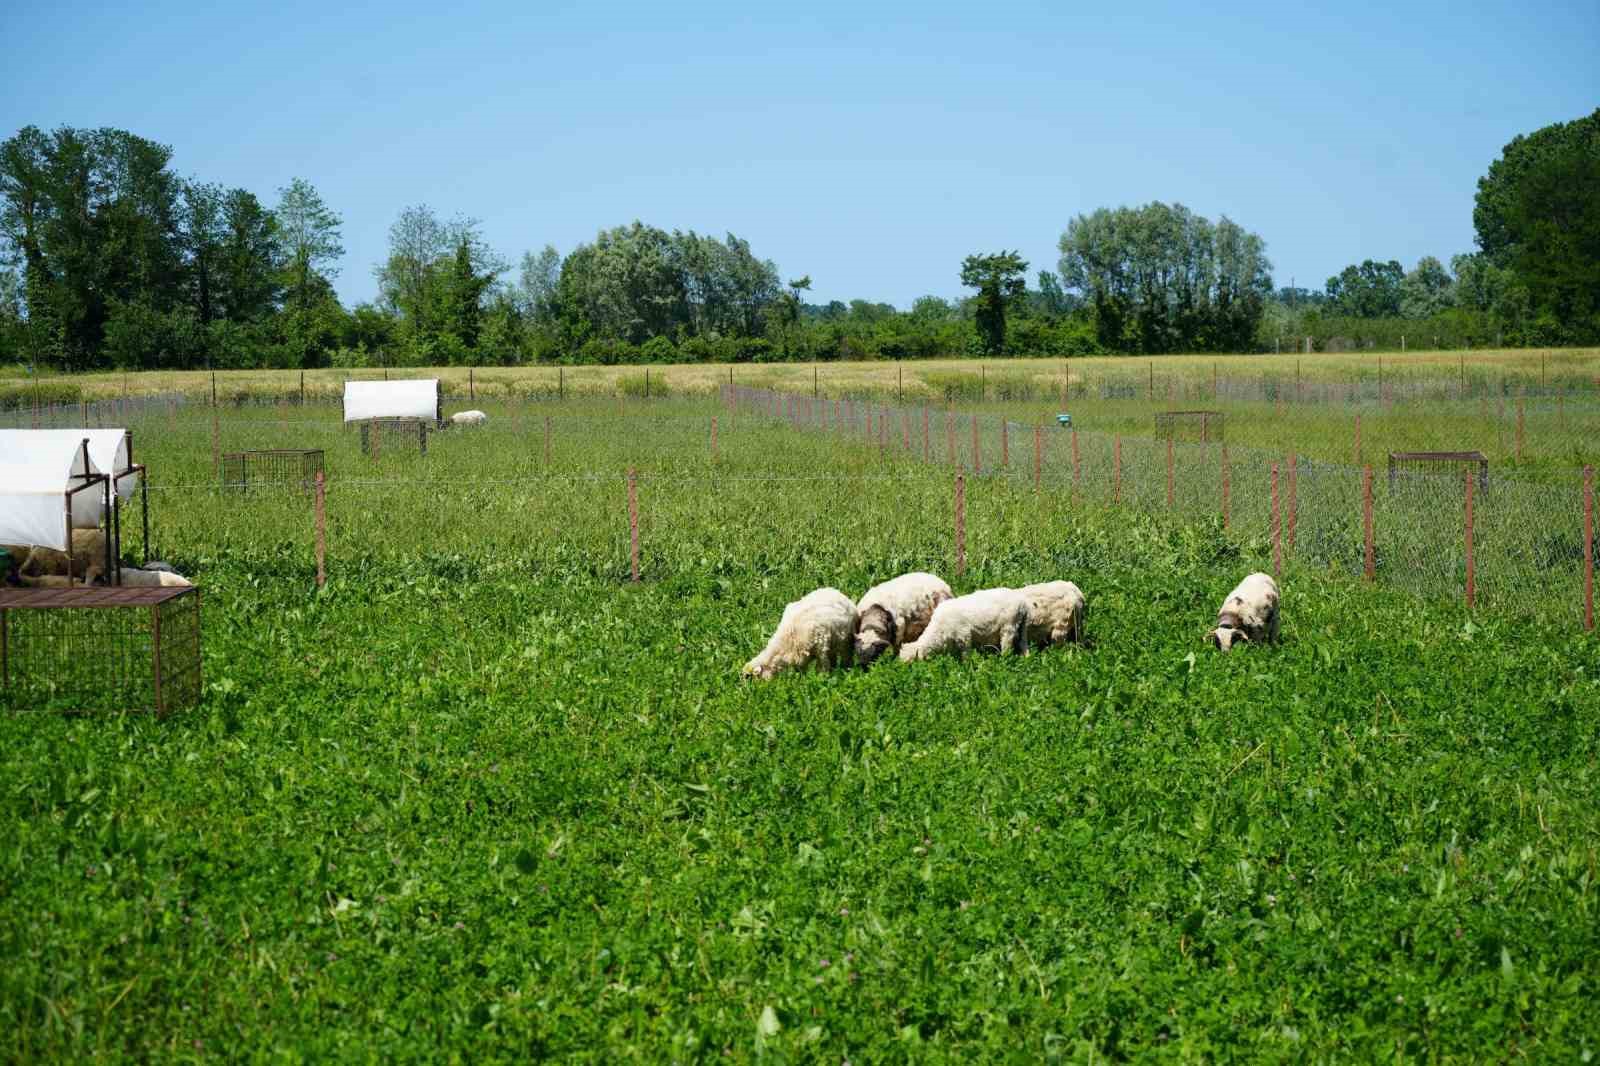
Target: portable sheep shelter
[45,483]
[111,452]
[400,405]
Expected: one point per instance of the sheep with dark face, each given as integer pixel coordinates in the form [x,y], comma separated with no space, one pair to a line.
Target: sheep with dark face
[1249,614]
[992,620]
[816,630]
[895,613]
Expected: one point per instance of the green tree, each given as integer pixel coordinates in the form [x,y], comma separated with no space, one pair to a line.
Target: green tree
[248,280]
[999,280]
[1371,290]
[1427,290]
[540,277]
[308,236]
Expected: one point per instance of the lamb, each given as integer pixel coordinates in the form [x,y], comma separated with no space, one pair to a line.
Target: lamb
[88,560]
[991,620]
[895,613]
[1250,613]
[819,628]
[467,418]
[1056,611]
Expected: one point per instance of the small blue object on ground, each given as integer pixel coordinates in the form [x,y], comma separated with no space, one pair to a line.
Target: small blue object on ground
[1063,420]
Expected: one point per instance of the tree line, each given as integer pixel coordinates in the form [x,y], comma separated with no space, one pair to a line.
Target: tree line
[109,259]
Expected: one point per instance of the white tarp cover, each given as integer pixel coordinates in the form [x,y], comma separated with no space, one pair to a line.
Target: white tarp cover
[391,399]
[108,450]
[36,469]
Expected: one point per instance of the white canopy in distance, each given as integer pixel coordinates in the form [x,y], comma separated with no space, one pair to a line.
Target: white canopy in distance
[391,399]
[36,470]
[108,449]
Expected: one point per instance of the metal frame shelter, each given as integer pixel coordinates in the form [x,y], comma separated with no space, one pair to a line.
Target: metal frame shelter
[1411,463]
[39,466]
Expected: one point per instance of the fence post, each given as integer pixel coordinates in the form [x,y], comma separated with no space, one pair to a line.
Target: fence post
[322,533]
[1277,527]
[883,429]
[961,523]
[1005,443]
[1588,547]
[905,430]
[1227,511]
[977,456]
[713,438]
[1038,457]
[1472,563]
[1169,474]
[1370,569]
[633,524]
[1116,482]
[1294,501]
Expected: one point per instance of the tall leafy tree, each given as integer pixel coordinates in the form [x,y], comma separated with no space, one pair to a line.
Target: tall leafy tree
[999,279]
[309,239]
[204,234]
[1426,290]
[1370,290]
[248,276]
[540,276]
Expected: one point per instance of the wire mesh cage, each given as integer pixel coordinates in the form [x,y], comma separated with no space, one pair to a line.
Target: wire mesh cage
[298,467]
[1407,466]
[402,430]
[1195,426]
[100,649]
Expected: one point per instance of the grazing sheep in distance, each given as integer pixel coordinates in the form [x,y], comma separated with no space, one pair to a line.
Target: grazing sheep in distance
[1056,611]
[895,613]
[133,577]
[819,628]
[467,418]
[991,620]
[1250,613]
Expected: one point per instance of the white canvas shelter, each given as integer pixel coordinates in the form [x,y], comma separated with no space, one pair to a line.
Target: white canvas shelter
[108,450]
[391,399]
[36,470]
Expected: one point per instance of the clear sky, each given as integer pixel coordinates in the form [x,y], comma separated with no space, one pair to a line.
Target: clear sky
[871,146]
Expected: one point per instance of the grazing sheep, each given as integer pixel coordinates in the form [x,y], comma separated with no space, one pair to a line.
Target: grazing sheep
[991,620]
[895,613]
[467,418]
[88,558]
[1250,613]
[1056,611]
[818,628]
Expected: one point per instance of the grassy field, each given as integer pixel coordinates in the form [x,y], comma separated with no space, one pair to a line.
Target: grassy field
[1573,368]
[482,798]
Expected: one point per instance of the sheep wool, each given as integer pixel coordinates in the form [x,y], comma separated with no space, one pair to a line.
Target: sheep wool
[817,629]
[991,620]
[134,577]
[88,558]
[895,613]
[1249,614]
[468,418]
[1056,611]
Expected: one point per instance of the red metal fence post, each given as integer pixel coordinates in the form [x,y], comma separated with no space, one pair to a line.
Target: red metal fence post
[1116,481]
[1227,512]
[1005,443]
[1472,563]
[322,534]
[1294,499]
[633,524]
[1370,568]
[961,523]
[1588,547]
[1169,474]
[1277,528]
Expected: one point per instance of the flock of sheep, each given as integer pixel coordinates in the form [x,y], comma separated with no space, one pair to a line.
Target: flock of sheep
[917,616]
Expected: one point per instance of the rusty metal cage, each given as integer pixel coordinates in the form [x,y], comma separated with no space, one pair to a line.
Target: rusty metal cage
[296,467]
[1200,426]
[100,649]
[403,429]
[1404,465]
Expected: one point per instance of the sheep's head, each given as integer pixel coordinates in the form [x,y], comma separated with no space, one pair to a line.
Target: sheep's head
[756,670]
[875,633]
[1225,637]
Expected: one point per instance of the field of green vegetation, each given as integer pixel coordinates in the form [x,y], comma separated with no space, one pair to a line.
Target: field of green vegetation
[483,798]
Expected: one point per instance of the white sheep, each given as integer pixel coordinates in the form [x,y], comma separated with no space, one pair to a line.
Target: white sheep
[895,613]
[134,577]
[819,628]
[991,620]
[468,418]
[87,562]
[1056,611]
[1250,613]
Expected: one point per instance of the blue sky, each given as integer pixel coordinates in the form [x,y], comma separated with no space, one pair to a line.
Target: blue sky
[871,146]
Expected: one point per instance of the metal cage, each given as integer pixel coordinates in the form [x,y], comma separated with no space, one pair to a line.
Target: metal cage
[1403,465]
[100,649]
[401,428]
[1201,426]
[275,466]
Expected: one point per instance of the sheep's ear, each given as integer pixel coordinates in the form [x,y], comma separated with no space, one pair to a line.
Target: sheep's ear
[1240,634]
[1213,639]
